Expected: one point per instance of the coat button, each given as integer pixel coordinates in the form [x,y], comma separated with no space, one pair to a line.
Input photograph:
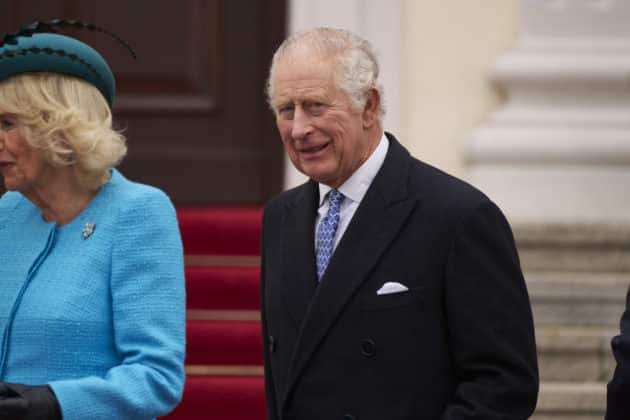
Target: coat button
[349,417]
[272,344]
[368,347]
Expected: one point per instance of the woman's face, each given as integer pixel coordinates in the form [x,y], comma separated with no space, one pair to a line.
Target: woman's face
[22,166]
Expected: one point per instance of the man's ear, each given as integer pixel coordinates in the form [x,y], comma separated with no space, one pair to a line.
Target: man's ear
[371,109]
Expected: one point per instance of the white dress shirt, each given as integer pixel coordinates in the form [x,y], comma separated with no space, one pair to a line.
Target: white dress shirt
[353,189]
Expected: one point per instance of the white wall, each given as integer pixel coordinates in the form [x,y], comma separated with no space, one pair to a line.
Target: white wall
[448,48]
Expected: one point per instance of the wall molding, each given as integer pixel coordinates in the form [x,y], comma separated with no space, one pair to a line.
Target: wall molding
[558,151]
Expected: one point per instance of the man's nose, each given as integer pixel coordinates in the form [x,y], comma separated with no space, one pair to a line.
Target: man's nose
[301,124]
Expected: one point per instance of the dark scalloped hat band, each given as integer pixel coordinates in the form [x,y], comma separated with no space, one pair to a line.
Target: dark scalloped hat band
[34,49]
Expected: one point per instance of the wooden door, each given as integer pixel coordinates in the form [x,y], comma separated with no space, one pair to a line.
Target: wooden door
[192,104]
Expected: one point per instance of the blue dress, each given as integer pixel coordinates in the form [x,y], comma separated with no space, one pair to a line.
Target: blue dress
[95,308]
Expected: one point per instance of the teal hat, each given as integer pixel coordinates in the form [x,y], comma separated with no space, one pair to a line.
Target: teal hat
[31,49]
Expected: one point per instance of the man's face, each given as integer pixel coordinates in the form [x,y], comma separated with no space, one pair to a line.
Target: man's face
[324,138]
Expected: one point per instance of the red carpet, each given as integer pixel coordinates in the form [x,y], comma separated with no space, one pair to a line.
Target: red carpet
[222,288]
[224,347]
[221,398]
[224,343]
[220,231]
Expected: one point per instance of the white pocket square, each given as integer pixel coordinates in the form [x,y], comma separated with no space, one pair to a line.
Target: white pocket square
[391,287]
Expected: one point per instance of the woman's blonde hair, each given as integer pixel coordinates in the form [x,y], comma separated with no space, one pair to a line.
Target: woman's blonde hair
[68,119]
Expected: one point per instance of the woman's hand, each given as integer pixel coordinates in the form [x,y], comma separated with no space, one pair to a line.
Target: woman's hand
[24,402]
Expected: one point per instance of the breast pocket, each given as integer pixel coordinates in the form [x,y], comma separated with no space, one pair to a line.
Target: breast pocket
[393,300]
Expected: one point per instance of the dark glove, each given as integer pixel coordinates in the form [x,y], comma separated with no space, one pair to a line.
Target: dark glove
[23,402]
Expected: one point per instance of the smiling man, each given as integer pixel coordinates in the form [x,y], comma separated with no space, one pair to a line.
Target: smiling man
[390,290]
[326,136]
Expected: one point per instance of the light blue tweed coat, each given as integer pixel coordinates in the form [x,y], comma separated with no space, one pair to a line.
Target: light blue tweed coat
[101,318]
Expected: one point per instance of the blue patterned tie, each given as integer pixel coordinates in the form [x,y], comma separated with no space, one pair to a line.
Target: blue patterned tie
[326,231]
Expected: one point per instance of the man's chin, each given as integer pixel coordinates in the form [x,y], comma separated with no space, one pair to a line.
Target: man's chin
[317,176]
[315,172]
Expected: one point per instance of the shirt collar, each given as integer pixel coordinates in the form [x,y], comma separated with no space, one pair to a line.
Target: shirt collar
[357,185]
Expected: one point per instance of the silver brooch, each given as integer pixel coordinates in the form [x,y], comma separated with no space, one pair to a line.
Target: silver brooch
[88,229]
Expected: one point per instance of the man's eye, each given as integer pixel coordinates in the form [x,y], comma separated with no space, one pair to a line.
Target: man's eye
[315,106]
[286,112]
[7,123]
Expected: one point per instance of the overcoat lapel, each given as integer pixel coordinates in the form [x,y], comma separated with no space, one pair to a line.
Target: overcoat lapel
[298,252]
[375,224]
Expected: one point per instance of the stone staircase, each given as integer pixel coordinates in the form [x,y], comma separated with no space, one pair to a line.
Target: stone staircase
[577,279]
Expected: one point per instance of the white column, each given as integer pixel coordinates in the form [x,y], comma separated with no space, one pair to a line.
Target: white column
[558,151]
[378,21]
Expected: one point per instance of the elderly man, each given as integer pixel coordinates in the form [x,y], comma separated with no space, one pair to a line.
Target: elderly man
[390,290]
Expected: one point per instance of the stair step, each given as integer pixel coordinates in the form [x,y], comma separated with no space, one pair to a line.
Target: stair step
[221,398]
[575,354]
[222,315]
[223,343]
[222,288]
[577,298]
[571,401]
[224,370]
[220,230]
[574,248]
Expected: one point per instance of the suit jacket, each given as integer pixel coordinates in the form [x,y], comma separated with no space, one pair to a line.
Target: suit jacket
[458,345]
[618,407]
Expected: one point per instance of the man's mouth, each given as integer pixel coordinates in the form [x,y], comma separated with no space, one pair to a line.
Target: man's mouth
[314,149]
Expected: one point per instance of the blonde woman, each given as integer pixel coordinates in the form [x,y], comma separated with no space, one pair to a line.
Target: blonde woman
[92,315]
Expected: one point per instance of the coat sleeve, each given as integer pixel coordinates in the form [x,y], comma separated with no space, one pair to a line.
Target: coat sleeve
[490,323]
[148,314]
[270,393]
[618,404]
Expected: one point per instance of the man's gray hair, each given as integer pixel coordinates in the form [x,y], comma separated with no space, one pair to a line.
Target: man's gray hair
[356,65]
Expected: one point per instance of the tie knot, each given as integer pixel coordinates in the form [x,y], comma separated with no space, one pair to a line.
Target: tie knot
[335,198]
